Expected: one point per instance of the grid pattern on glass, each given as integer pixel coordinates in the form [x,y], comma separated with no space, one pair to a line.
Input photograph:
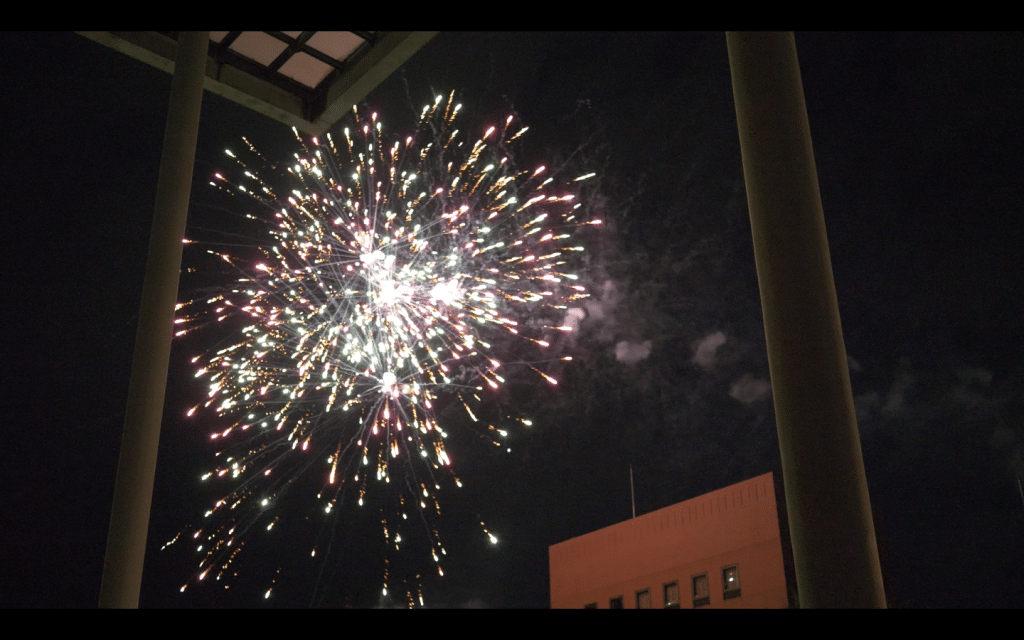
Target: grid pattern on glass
[672,595]
[731,581]
[701,592]
[643,599]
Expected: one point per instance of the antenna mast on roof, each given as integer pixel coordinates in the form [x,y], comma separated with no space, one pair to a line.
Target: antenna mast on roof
[633,498]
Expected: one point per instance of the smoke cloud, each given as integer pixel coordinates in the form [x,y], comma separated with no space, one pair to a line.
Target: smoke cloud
[749,389]
[573,317]
[705,348]
[631,353]
[894,400]
[600,308]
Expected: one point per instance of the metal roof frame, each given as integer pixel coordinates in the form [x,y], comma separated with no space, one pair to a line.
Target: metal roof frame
[264,87]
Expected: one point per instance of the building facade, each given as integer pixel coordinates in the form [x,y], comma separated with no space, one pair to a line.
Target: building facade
[724,549]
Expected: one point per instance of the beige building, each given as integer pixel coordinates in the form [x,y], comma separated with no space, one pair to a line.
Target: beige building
[724,549]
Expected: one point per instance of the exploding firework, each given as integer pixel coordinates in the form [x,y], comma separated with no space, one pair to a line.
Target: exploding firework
[402,277]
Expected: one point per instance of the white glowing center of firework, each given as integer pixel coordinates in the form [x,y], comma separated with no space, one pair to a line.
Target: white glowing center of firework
[390,293]
[388,380]
[445,292]
[375,256]
[381,276]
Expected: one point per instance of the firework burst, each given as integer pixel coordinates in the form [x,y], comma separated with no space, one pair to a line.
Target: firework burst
[401,276]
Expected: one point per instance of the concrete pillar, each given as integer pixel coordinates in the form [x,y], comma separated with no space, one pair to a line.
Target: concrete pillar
[136,468]
[827,499]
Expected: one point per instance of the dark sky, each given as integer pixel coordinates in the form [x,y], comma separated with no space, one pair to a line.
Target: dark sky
[918,142]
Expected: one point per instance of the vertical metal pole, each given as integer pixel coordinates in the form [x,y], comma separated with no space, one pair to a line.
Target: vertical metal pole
[136,468]
[832,531]
[632,494]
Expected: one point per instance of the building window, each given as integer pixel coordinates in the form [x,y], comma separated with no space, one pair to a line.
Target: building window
[592,605]
[615,603]
[731,581]
[701,592]
[643,599]
[672,595]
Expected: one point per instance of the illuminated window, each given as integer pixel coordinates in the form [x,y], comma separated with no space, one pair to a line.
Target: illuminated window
[731,581]
[643,599]
[615,603]
[701,592]
[672,595]
[592,605]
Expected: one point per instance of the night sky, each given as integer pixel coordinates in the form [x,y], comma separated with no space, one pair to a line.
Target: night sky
[919,147]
